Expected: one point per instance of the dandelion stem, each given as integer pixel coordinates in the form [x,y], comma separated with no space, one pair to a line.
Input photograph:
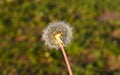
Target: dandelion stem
[60,43]
[66,59]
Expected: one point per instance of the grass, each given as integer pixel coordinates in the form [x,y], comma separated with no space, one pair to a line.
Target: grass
[94,50]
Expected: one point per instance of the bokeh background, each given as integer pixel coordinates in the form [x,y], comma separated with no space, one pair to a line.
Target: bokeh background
[95,49]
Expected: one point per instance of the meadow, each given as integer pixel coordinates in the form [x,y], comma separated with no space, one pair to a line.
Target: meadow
[94,50]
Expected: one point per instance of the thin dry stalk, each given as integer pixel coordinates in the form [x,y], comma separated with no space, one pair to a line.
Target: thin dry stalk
[66,59]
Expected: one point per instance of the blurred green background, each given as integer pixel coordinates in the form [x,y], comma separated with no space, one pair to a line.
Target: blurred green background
[95,49]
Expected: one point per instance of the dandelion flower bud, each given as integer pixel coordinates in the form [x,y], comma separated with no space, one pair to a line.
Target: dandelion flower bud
[55,30]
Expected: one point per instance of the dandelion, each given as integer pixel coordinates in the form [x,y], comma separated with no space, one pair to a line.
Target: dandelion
[55,28]
[57,35]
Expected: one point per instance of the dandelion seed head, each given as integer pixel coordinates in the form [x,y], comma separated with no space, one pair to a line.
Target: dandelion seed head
[54,28]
